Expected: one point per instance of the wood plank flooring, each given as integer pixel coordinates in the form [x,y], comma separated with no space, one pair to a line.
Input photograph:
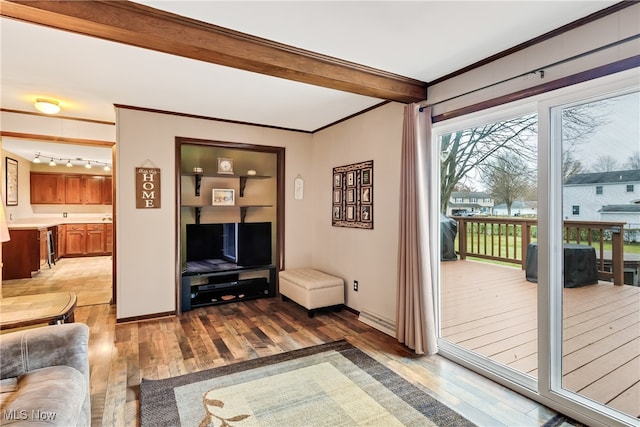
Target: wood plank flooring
[121,354]
[491,310]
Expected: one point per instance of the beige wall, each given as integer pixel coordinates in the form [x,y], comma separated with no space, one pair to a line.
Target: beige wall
[608,30]
[146,248]
[369,256]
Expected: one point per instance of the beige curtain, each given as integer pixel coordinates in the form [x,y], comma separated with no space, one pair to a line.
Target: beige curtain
[415,322]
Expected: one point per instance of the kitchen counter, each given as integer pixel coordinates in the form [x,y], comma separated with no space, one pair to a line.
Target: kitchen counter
[25,224]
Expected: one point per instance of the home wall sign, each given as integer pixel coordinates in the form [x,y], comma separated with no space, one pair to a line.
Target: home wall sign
[352,194]
[148,195]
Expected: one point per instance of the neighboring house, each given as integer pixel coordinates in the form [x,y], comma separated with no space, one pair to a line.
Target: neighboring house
[517,209]
[598,196]
[629,214]
[469,203]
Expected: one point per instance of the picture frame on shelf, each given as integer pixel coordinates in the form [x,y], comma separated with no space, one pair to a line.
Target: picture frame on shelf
[225,166]
[223,197]
[11,171]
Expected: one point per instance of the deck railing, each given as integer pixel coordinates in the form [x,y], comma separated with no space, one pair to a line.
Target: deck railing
[507,240]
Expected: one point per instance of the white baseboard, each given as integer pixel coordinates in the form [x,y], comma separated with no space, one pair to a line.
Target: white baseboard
[383,325]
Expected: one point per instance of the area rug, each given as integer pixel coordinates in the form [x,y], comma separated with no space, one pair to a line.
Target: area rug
[332,384]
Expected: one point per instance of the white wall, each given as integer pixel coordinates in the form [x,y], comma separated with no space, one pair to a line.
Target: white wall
[146,238]
[369,256]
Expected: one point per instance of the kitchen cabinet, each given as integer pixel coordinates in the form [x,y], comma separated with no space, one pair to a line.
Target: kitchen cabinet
[88,239]
[94,239]
[25,253]
[108,238]
[70,189]
[75,238]
[61,240]
[47,188]
[107,191]
[93,191]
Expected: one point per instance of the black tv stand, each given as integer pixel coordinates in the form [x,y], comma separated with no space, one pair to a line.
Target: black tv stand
[220,284]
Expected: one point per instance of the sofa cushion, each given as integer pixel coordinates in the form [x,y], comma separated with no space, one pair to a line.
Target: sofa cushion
[48,396]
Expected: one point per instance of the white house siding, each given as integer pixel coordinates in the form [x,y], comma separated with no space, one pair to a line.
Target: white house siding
[590,203]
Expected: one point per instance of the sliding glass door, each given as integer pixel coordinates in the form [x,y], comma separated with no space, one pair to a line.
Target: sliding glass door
[539,229]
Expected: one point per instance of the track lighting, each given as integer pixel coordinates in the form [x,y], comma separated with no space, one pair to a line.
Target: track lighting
[87,163]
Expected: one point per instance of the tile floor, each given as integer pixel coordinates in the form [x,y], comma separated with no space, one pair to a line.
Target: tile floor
[88,277]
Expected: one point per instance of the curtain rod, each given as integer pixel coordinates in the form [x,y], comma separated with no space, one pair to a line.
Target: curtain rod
[539,70]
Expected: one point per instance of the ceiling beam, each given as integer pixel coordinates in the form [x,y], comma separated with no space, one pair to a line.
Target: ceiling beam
[142,26]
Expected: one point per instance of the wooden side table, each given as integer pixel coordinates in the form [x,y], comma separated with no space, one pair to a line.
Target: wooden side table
[29,310]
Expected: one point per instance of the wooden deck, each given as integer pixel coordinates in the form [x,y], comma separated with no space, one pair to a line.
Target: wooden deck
[491,309]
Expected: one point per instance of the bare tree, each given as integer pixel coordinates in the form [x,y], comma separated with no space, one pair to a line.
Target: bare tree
[570,166]
[508,178]
[463,151]
[467,150]
[633,162]
[605,164]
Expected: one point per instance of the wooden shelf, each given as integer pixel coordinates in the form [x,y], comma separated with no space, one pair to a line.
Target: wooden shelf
[243,179]
[243,209]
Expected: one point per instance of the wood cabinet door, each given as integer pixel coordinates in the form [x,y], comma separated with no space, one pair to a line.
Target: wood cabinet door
[107,191]
[73,189]
[42,236]
[108,238]
[62,239]
[95,239]
[93,190]
[47,188]
[75,244]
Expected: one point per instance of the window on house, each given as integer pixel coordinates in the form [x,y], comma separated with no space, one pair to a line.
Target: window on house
[473,200]
[457,199]
[598,189]
[575,210]
[629,188]
[487,200]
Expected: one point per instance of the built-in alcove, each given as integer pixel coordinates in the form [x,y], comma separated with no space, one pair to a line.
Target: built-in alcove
[252,174]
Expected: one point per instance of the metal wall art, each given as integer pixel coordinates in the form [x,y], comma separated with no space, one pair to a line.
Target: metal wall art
[352,194]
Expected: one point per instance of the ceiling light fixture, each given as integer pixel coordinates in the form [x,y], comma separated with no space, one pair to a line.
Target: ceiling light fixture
[78,161]
[47,106]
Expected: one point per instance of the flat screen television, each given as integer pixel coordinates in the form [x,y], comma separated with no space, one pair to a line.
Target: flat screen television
[246,244]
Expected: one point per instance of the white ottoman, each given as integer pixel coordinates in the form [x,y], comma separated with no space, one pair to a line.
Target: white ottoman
[312,289]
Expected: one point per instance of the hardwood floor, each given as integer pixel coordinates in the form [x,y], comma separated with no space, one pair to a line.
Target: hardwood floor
[88,277]
[121,354]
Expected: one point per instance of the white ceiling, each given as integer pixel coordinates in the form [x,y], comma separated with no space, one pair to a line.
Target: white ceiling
[423,40]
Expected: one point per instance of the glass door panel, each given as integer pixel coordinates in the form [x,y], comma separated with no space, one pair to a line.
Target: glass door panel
[601,251]
[488,222]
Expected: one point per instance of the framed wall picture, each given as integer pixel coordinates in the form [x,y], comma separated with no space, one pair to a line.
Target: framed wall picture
[11,178]
[352,196]
[223,197]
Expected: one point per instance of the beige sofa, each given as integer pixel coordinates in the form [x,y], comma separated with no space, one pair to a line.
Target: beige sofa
[44,375]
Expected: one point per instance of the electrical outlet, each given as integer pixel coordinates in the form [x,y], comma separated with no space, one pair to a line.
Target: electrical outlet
[355,285]
[64,214]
